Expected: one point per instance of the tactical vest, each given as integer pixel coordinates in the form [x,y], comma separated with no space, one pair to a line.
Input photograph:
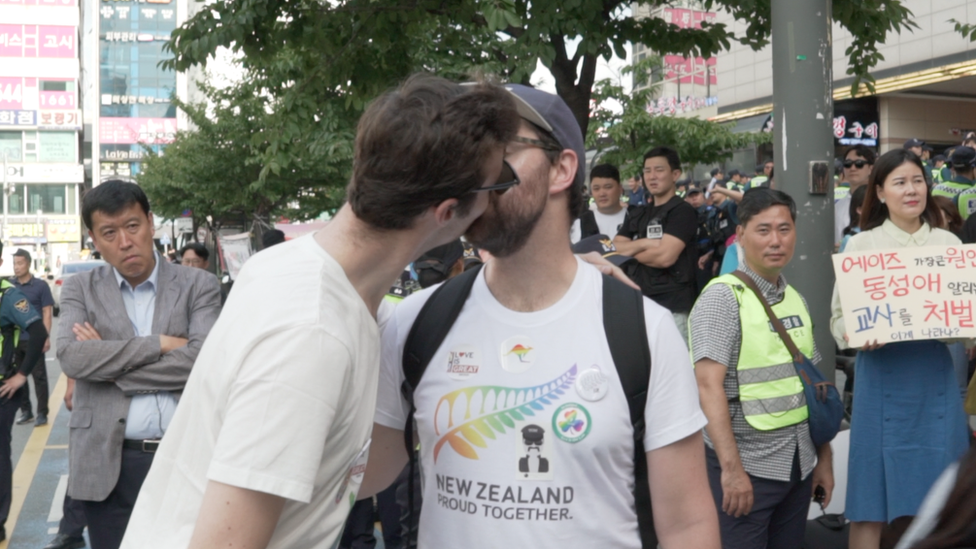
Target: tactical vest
[966,201]
[952,188]
[770,391]
[758,181]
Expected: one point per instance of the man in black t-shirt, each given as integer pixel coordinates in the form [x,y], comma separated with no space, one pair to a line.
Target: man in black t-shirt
[661,236]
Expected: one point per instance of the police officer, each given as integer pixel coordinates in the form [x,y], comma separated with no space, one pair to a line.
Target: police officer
[762,463]
[938,164]
[16,316]
[963,161]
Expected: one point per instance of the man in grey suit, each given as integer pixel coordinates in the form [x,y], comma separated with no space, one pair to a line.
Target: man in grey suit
[130,333]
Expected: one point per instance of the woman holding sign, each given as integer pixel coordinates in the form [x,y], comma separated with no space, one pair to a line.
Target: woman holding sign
[908,421]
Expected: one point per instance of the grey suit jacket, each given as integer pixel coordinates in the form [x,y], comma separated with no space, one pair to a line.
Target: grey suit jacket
[110,371]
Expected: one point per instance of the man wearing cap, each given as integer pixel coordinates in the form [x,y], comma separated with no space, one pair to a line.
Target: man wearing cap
[960,187]
[39,295]
[764,173]
[858,163]
[938,162]
[917,146]
[609,214]
[661,236]
[530,328]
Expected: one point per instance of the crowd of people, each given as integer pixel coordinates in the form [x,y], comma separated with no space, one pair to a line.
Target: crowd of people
[567,375]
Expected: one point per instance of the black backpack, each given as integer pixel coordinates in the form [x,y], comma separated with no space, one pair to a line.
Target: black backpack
[626,331]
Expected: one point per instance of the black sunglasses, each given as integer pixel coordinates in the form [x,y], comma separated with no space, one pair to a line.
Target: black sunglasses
[506,180]
[858,163]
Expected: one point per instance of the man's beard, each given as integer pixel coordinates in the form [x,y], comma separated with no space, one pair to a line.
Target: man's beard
[507,224]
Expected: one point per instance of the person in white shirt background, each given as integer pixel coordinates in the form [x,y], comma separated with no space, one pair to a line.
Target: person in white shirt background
[609,214]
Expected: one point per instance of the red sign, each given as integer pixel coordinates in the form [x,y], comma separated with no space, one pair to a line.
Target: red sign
[136,130]
[690,70]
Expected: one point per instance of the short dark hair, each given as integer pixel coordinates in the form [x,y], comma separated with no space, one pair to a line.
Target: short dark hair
[423,143]
[863,151]
[23,253]
[608,171]
[760,199]
[110,198]
[873,212]
[857,201]
[200,250]
[272,237]
[666,152]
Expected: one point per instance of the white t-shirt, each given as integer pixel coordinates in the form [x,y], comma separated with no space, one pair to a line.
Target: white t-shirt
[503,381]
[280,401]
[608,224]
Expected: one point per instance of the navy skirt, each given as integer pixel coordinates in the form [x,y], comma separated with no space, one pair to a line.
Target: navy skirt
[908,426]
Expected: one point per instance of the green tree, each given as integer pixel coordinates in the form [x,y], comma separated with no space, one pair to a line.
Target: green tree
[216,171]
[622,129]
[356,48]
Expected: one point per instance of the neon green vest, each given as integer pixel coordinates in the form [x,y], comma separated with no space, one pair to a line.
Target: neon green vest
[937,175]
[842,191]
[967,202]
[758,181]
[770,391]
[951,188]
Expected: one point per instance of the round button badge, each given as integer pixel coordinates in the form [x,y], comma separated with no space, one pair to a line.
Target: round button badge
[517,354]
[592,385]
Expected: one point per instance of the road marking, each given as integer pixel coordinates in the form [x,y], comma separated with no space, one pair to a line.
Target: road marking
[31,458]
[56,447]
[57,504]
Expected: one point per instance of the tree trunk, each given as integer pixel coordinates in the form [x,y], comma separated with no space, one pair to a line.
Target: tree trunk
[575,88]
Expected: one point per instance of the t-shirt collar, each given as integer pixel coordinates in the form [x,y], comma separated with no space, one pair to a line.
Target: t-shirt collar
[152,277]
[918,238]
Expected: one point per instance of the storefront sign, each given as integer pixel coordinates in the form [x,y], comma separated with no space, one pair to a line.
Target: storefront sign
[38,41]
[60,120]
[11,93]
[63,229]
[907,293]
[69,3]
[45,173]
[690,70]
[136,130]
[677,105]
[112,169]
[17,118]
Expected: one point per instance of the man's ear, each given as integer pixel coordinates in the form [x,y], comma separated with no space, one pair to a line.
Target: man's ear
[739,231]
[445,211]
[563,172]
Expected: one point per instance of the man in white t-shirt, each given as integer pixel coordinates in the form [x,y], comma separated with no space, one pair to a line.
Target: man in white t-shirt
[269,443]
[610,211]
[531,443]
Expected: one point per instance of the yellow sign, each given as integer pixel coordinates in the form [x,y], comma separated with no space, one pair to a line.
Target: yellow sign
[63,229]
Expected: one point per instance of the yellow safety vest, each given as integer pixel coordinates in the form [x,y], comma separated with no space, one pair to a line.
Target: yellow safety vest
[770,391]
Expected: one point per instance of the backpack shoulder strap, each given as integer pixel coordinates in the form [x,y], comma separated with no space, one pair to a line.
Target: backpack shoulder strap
[588,226]
[432,325]
[626,332]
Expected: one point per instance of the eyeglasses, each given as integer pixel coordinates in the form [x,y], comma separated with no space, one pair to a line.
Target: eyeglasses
[857,163]
[537,143]
[506,180]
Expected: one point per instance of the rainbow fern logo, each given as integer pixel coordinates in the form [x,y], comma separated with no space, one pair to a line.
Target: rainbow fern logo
[498,408]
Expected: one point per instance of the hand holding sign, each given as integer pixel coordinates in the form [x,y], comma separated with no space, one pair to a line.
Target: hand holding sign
[907,294]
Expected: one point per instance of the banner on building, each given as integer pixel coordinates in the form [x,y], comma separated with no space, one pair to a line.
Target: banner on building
[57,147]
[45,173]
[136,130]
[38,41]
[907,294]
[18,119]
[60,120]
[690,70]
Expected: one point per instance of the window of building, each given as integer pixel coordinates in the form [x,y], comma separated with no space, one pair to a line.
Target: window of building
[11,146]
[50,199]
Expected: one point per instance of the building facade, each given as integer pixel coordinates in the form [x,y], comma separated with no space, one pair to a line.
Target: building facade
[40,128]
[925,85]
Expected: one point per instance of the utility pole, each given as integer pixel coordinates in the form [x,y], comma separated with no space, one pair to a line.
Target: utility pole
[804,150]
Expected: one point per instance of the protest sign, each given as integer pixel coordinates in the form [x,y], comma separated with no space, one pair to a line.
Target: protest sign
[907,294]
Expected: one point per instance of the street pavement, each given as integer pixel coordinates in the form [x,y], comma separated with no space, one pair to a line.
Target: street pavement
[40,460]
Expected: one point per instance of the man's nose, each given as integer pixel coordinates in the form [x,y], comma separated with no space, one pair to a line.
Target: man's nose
[124,240]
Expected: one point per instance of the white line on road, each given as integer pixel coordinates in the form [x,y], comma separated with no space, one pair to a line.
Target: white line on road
[57,506]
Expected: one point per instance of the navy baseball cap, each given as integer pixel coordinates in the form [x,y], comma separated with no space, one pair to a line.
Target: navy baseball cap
[603,245]
[913,143]
[963,157]
[552,114]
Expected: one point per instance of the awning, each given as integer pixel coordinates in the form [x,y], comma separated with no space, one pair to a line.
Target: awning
[750,124]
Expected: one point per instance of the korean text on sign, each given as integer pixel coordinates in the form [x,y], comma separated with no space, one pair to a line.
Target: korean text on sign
[908,293]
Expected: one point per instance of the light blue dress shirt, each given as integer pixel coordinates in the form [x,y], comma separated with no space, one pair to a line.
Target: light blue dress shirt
[149,415]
